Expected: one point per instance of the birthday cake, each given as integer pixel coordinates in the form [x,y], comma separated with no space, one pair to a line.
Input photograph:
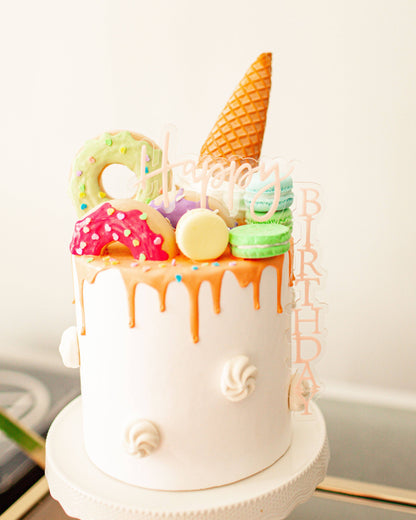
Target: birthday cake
[183,303]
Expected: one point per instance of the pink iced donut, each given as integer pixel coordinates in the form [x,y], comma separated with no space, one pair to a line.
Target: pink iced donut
[135,224]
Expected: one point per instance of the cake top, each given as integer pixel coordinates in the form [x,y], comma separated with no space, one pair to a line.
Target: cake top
[169,233]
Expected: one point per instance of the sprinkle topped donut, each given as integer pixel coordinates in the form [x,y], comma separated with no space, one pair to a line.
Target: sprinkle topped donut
[112,148]
[134,224]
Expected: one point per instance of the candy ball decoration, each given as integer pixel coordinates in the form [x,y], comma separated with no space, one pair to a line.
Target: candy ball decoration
[134,224]
[202,235]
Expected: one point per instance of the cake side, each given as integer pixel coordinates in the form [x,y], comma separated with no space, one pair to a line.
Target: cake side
[155,372]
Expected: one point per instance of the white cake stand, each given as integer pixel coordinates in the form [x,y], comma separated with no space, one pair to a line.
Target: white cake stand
[89,494]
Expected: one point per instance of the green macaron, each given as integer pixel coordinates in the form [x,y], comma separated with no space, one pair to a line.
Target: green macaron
[259,240]
[283,217]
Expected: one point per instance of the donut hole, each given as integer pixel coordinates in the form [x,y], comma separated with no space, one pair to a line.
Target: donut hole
[118,181]
[117,250]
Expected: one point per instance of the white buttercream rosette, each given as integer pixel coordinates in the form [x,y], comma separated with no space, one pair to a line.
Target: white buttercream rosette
[238,379]
[141,438]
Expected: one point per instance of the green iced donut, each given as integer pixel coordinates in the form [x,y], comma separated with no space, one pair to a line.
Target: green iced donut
[112,148]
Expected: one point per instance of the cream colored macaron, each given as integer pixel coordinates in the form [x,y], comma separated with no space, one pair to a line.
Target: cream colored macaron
[201,234]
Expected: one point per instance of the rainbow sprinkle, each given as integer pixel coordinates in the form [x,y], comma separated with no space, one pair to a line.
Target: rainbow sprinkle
[173,262]
[108,142]
[215,264]
[143,216]
[195,268]
[232,263]
[142,257]
[84,206]
[178,277]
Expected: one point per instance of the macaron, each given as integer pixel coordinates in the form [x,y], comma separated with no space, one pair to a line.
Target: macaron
[259,240]
[283,217]
[181,201]
[265,199]
[201,234]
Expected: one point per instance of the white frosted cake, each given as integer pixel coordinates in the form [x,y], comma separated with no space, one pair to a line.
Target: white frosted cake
[183,332]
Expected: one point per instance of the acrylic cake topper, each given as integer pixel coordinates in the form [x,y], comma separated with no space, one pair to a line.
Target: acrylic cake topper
[228,160]
[308,330]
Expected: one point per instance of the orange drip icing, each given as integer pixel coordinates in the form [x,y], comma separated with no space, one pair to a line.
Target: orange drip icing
[193,290]
[84,273]
[216,293]
[159,275]
[130,284]
[291,254]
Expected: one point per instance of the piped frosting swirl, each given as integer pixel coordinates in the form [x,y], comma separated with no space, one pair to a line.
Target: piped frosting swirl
[238,378]
[141,438]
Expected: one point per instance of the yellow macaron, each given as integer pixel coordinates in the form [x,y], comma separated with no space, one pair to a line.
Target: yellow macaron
[201,234]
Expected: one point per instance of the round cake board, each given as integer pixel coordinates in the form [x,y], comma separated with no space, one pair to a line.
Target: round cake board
[85,492]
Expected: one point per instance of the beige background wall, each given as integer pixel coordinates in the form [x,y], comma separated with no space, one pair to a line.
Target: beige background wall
[343,103]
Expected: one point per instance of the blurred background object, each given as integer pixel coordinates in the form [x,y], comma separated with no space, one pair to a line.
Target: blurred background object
[33,394]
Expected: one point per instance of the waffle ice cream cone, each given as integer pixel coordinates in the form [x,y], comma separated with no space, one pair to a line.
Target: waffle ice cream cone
[238,133]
